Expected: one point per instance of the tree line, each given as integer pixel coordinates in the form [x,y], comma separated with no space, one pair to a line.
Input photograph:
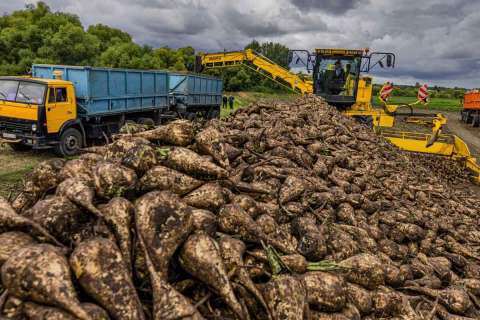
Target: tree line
[36,34]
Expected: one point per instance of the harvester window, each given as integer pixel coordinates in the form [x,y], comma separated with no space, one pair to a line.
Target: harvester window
[336,76]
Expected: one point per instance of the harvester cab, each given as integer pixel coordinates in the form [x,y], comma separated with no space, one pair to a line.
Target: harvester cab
[339,74]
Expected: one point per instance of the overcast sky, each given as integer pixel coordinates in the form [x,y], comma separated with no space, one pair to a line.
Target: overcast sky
[436,41]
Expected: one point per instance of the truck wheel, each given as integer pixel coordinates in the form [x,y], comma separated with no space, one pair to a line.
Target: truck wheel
[476,119]
[468,117]
[19,147]
[70,143]
[146,121]
[213,113]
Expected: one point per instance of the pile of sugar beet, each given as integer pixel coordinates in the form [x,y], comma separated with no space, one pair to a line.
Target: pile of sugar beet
[281,211]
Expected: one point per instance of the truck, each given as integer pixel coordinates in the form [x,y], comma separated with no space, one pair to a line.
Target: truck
[67,107]
[470,113]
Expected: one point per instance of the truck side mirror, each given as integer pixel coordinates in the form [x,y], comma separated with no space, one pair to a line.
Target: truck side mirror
[289,57]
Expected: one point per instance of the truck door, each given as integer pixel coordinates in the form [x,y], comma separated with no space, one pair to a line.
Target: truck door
[60,107]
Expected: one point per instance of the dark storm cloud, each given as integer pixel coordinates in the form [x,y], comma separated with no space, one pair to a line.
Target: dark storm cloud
[251,25]
[330,6]
[436,41]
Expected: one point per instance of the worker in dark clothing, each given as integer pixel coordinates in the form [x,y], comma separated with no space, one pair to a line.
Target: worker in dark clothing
[337,80]
[339,72]
[225,102]
[231,101]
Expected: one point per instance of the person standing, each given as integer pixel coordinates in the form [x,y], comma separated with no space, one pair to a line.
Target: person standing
[225,102]
[231,101]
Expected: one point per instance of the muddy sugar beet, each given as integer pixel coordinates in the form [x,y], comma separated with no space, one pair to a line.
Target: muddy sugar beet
[282,211]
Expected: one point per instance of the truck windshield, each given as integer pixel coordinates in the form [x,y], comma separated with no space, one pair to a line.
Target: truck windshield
[22,91]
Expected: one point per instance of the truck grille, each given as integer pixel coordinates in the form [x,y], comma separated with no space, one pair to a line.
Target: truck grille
[15,125]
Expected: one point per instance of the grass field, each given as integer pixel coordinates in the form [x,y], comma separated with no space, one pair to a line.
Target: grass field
[439,104]
[243,99]
[14,165]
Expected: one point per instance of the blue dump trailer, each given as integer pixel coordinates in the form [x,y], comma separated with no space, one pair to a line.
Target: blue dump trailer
[191,93]
[66,106]
[103,91]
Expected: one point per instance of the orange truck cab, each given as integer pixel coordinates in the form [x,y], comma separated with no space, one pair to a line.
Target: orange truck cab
[471,108]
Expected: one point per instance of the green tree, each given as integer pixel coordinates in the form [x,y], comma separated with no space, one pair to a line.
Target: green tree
[72,45]
[123,55]
[108,36]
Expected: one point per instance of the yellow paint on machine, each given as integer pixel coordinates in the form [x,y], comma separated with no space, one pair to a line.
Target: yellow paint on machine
[18,110]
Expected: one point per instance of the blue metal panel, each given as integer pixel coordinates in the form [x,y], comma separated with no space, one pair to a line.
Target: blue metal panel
[105,91]
[196,90]
[117,84]
[148,81]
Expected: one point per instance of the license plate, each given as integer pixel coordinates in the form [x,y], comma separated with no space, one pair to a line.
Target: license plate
[9,136]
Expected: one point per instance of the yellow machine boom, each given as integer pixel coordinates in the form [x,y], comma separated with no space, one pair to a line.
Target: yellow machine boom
[260,64]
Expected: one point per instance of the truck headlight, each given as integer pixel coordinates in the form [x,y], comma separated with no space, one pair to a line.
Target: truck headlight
[34,127]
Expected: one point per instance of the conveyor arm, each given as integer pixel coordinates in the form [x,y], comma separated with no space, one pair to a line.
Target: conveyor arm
[258,63]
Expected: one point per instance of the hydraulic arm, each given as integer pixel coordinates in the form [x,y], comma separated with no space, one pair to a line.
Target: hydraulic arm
[258,63]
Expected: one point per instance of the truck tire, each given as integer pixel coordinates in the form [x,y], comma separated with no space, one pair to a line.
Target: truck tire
[476,119]
[146,121]
[214,113]
[468,117]
[70,143]
[463,116]
[20,147]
